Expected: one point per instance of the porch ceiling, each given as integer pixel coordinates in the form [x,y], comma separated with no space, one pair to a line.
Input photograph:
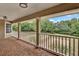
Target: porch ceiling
[51,10]
[13,11]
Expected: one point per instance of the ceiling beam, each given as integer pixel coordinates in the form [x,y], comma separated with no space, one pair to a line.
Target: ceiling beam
[56,9]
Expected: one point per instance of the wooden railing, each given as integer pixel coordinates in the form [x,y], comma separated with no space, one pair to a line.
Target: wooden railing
[60,44]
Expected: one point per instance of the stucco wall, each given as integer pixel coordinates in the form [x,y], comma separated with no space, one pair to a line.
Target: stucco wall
[2,29]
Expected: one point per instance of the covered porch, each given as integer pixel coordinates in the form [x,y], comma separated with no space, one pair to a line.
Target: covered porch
[45,44]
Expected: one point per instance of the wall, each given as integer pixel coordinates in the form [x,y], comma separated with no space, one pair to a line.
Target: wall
[7,34]
[2,29]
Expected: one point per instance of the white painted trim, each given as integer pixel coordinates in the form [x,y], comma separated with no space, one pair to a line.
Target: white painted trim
[62,13]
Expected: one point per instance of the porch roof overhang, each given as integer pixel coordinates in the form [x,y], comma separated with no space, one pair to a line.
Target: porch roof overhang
[56,9]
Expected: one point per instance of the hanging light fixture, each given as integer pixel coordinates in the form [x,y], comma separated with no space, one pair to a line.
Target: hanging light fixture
[4,17]
[23,5]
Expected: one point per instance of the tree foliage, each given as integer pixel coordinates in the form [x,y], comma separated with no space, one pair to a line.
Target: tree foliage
[69,27]
[46,26]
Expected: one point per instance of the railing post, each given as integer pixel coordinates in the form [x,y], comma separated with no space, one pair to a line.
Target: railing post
[78,47]
[18,30]
[37,31]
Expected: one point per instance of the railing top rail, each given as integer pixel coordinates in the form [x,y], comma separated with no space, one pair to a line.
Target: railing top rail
[59,35]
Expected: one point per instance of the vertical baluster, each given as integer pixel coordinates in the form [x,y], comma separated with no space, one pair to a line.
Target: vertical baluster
[69,46]
[65,46]
[56,43]
[78,46]
[39,39]
[53,42]
[48,41]
[59,43]
[73,47]
[51,45]
[44,41]
[62,45]
[31,41]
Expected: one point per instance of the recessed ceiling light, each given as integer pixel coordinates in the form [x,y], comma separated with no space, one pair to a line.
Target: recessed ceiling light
[23,5]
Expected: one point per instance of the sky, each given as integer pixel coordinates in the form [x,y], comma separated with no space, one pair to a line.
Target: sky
[66,17]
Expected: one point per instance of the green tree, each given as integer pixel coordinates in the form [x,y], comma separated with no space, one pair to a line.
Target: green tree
[15,27]
[46,26]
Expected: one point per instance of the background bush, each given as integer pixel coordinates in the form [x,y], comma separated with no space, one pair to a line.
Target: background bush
[69,27]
